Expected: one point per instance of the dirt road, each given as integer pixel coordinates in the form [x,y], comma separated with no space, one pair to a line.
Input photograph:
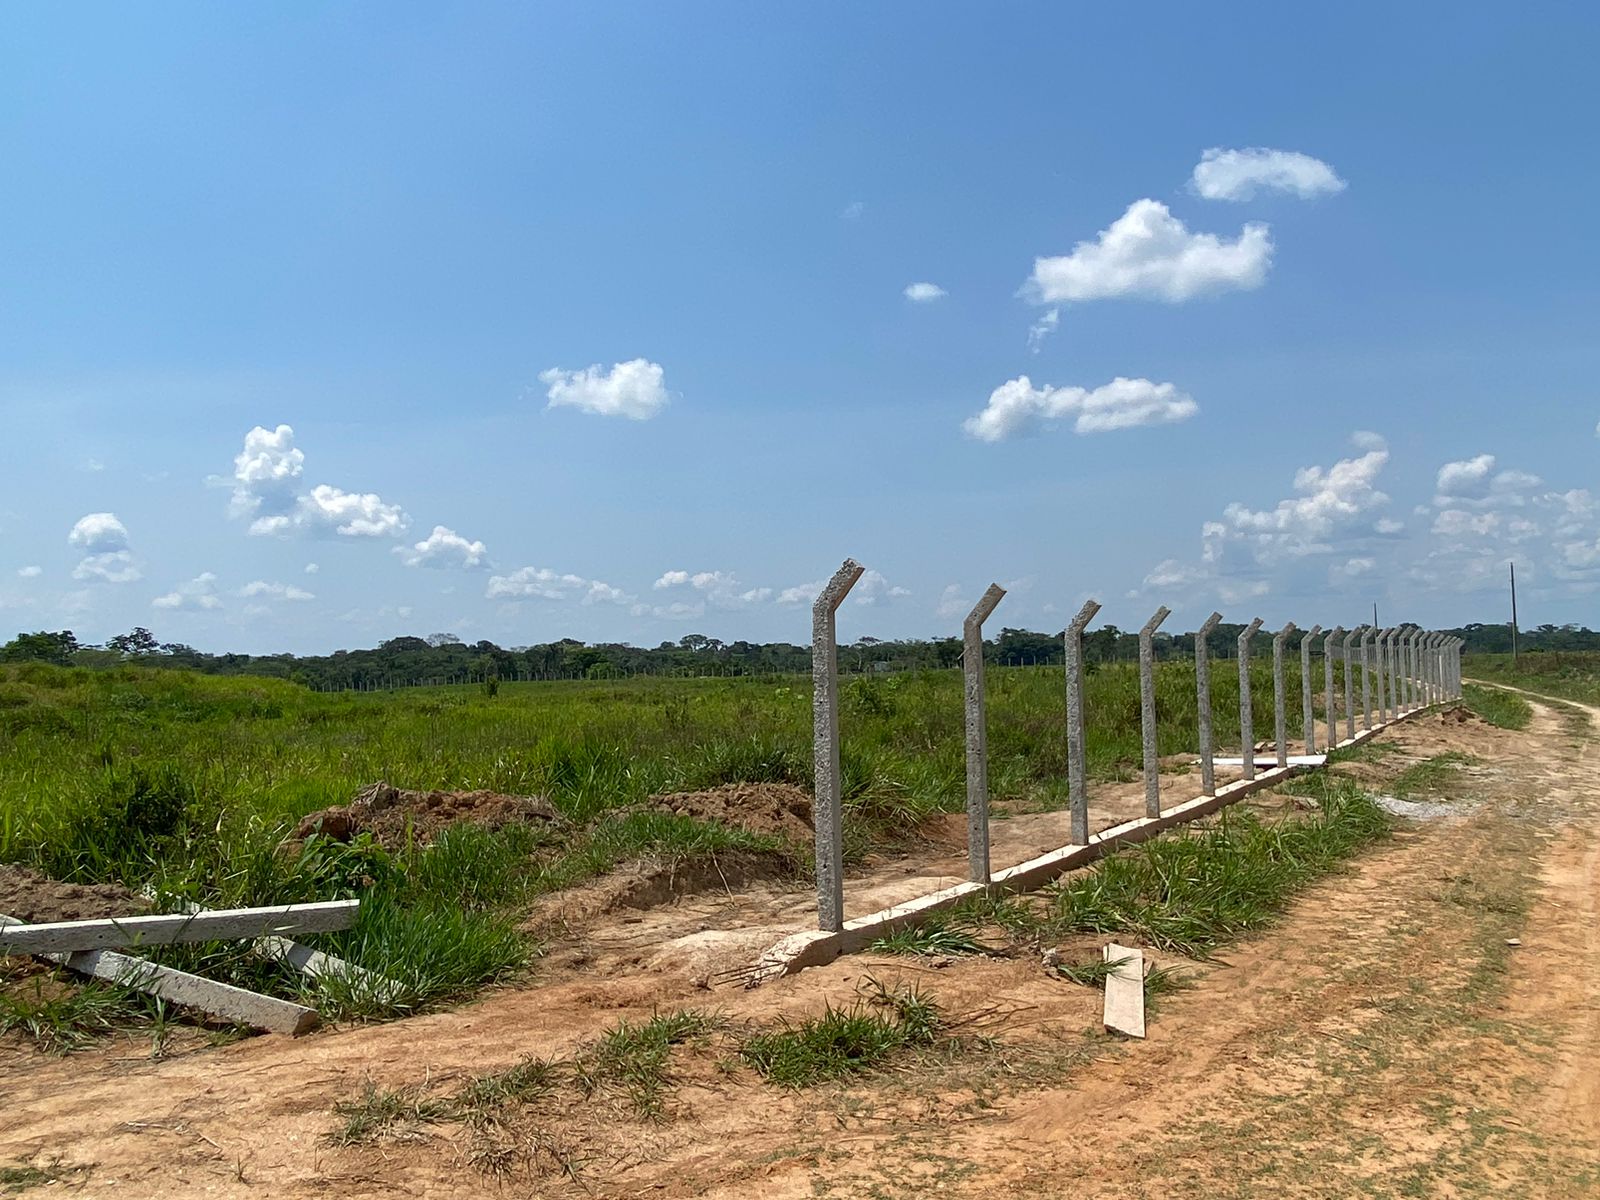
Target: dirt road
[1427,1024]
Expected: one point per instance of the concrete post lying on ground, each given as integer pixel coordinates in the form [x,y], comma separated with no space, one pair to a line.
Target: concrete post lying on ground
[1350,683]
[977,735]
[1247,731]
[1309,716]
[1147,711]
[165,929]
[1279,700]
[1330,704]
[1077,769]
[1202,688]
[1366,675]
[828,807]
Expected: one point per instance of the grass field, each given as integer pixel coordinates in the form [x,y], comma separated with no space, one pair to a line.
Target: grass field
[1570,675]
[186,785]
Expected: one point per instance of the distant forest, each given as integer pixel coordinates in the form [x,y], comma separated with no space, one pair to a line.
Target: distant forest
[444,658]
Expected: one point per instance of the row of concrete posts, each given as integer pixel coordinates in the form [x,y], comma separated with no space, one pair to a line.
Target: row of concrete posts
[1401,669]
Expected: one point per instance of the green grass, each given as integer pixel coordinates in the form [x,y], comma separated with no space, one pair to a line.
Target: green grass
[1567,675]
[1505,709]
[843,1042]
[1432,775]
[934,936]
[635,1058]
[1194,890]
[59,1017]
[379,1112]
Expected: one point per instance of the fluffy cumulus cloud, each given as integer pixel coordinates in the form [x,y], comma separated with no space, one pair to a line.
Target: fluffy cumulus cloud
[924,293]
[1484,516]
[1240,174]
[199,593]
[1322,532]
[261,589]
[541,583]
[269,489]
[635,389]
[30,572]
[1149,253]
[444,548]
[107,555]
[1018,407]
[707,590]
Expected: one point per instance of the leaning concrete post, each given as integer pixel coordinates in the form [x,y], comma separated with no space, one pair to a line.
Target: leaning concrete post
[828,813]
[1366,676]
[1247,729]
[1202,688]
[1329,703]
[1308,717]
[977,735]
[1147,710]
[1279,724]
[1350,683]
[1077,769]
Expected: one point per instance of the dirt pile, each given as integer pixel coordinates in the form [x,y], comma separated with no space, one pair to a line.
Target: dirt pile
[778,810]
[29,896]
[1458,714]
[395,815]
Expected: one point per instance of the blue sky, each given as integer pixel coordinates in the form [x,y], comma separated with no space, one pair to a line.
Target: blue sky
[1359,344]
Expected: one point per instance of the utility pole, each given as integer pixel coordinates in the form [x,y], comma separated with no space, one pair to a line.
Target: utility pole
[1513,616]
[1375,614]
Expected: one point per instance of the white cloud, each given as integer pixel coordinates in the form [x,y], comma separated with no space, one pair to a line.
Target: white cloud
[924,293]
[312,568]
[1474,483]
[268,478]
[721,588]
[30,572]
[1043,328]
[633,389]
[1249,550]
[444,548]
[104,541]
[99,533]
[852,211]
[1149,253]
[199,592]
[870,590]
[1239,174]
[261,589]
[672,579]
[541,583]
[1017,407]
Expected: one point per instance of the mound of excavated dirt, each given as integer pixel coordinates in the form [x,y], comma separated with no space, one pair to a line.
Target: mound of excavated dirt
[29,896]
[1459,714]
[770,809]
[393,815]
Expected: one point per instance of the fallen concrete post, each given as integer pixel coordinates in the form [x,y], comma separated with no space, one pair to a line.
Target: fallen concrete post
[70,937]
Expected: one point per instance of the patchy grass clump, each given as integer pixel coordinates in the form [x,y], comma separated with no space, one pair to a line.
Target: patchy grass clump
[1504,709]
[1431,775]
[845,1041]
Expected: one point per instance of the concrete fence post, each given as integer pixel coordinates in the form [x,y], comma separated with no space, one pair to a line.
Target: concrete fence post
[1389,672]
[1381,645]
[1350,683]
[1433,666]
[1247,730]
[1366,676]
[1202,688]
[1411,668]
[977,735]
[828,812]
[1425,668]
[1330,703]
[1077,769]
[1461,646]
[1147,711]
[1279,698]
[1307,710]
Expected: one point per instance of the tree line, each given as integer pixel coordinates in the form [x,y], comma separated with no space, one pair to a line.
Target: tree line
[445,658]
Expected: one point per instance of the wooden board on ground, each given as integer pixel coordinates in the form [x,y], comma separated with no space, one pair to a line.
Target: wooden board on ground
[1125,990]
[219,999]
[70,937]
